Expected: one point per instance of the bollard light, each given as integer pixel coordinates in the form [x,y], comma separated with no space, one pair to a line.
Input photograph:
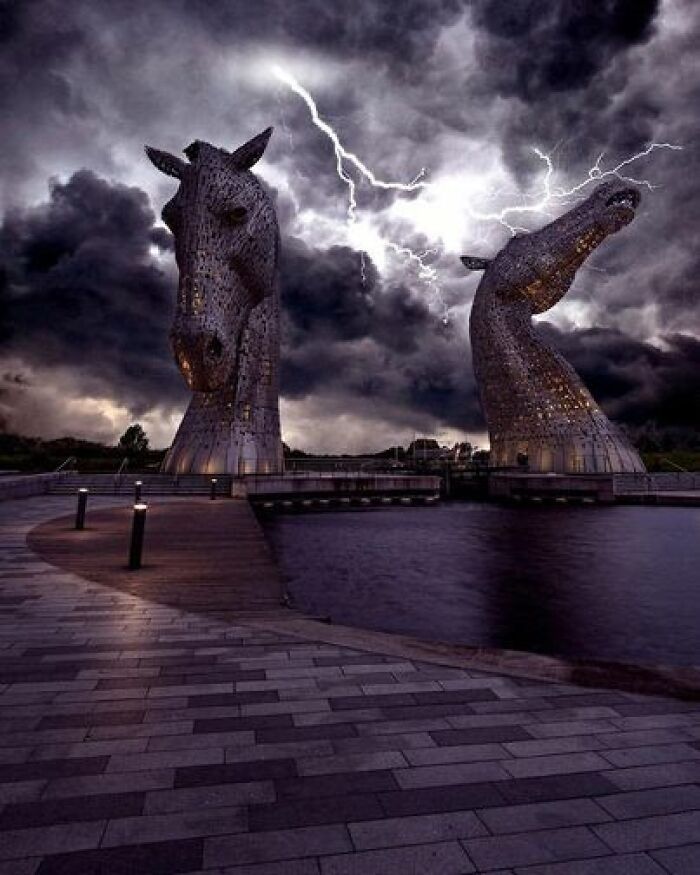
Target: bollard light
[137,529]
[80,513]
[137,491]
[212,494]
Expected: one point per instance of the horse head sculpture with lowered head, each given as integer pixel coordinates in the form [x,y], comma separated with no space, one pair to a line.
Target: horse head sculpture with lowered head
[225,334]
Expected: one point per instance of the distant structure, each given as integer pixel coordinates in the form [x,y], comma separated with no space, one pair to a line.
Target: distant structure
[539,414]
[225,336]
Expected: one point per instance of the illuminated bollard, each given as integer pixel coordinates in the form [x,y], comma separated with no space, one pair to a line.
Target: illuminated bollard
[137,529]
[212,494]
[80,513]
[137,492]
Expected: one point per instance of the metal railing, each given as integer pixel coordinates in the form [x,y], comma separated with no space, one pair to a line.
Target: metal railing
[119,476]
[70,460]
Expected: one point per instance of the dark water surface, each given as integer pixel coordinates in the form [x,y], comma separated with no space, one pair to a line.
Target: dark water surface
[620,583]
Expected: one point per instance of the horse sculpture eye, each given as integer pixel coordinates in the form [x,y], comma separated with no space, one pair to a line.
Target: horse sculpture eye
[236,215]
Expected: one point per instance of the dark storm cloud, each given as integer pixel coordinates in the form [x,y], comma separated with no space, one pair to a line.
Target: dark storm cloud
[533,48]
[370,341]
[80,290]
[635,382]
[389,33]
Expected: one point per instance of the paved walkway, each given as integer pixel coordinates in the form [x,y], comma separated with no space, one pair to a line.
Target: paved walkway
[136,737]
[199,555]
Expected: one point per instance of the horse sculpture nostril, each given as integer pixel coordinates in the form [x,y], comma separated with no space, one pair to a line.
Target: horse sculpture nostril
[214,348]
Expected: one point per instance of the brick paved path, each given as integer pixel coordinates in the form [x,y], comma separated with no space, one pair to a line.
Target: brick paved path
[138,738]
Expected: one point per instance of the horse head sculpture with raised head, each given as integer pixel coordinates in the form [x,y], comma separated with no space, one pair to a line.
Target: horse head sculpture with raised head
[225,334]
[537,408]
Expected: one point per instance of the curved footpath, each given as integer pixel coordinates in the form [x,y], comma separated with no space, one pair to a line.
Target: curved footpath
[145,734]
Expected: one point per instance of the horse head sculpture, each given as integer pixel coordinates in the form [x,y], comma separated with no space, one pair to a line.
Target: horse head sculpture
[536,407]
[225,334]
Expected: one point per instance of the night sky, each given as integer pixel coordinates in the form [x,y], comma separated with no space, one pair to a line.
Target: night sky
[462,89]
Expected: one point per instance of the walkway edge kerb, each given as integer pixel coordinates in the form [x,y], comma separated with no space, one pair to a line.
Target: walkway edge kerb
[680,683]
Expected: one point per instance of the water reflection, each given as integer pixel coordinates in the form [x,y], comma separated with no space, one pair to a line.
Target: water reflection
[610,583]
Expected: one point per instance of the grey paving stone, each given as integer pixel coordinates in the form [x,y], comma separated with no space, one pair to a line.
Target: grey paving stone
[21,791]
[393,741]
[547,746]
[446,858]
[208,796]
[647,756]
[165,759]
[361,762]
[526,849]
[643,803]
[291,749]
[543,815]
[476,721]
[27,866]
[465,753]
[286,867]
[480,735]
[680,861]
[124,782]
[318,786]
[661,831]
[380,725]
[47,812]
[258,770]
[200,740]
[309,811]
[415,830]
[429,800]
[556,764]
[175,825]
[148,859]
[647,777]
[629,864]
[570,727]
[359,716]
[455,773]
[281,845]
[292,707]
[50,839]
[647,737]
[87,749]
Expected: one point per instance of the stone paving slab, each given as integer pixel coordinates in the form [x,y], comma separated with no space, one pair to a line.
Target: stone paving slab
[140,736]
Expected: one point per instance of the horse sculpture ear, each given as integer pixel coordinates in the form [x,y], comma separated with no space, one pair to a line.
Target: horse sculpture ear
[473,263]
[251,152]
[166,163]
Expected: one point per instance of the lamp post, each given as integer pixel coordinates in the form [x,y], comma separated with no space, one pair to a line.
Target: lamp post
[137,491]
[137,529]
[80,513]
[212,494]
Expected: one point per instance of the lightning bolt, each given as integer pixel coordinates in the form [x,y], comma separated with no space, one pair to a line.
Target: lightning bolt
[540,203]
[560,196]
[425,272]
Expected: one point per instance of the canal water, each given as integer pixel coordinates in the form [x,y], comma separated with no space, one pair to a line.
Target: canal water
[619,583]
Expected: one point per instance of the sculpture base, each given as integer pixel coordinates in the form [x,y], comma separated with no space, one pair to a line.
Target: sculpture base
[216,438]
[608,453]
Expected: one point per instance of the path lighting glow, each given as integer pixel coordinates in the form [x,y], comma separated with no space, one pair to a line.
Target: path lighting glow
[137,530]
[212,494]
[80,513]
[137,491]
